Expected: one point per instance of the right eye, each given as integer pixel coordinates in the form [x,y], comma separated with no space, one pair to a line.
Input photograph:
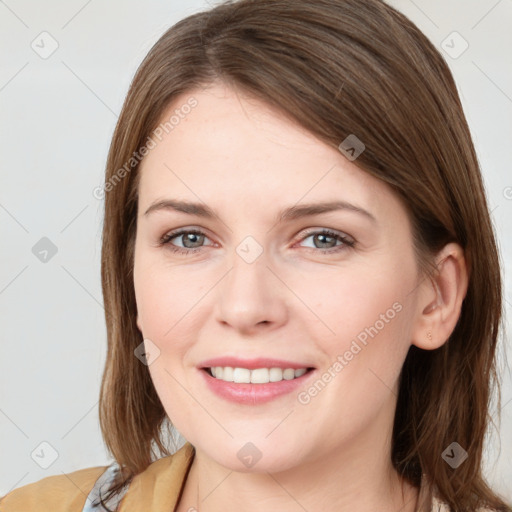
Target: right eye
[189,236]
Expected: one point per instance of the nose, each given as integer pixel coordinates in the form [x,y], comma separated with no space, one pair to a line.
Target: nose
[251,297]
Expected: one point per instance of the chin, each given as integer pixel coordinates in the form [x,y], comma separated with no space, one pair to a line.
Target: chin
[255,457]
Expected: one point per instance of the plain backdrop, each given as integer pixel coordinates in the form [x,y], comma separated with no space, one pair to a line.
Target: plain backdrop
[58,111]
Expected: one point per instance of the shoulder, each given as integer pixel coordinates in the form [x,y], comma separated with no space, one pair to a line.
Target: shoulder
[159,486]
[67,492]
[439,506]
[156,488]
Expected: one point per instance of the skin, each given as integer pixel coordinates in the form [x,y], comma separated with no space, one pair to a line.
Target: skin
[247,162]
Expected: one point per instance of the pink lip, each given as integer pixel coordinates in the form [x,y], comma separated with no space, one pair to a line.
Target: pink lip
[252,364]
[252,394]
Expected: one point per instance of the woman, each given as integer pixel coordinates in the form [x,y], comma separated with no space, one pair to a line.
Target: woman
[299,274]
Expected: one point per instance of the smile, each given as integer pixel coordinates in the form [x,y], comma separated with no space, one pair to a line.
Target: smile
[255,376]
[253,381]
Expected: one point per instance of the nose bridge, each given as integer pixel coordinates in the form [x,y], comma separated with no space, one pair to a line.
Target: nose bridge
[250,293]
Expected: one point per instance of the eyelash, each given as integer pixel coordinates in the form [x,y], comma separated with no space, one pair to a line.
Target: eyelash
[347,243]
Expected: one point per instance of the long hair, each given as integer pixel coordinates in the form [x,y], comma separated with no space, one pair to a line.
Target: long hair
[335,67]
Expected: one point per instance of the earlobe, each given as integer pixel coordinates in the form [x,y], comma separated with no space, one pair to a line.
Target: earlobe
[139,323]
[440,299]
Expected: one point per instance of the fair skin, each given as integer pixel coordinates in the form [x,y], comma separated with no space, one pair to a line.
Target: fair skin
[247,162]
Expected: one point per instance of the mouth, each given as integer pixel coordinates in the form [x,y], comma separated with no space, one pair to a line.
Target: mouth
[240,375]
[254,382]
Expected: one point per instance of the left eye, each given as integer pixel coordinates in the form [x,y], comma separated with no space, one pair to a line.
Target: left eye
[193,236]
[324,235]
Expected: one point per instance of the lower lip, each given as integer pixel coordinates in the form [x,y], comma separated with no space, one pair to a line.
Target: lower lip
[253,394]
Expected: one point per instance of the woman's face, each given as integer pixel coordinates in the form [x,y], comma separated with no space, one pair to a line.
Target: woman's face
[261,281]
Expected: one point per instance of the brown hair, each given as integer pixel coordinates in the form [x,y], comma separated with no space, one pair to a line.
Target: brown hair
[336,67]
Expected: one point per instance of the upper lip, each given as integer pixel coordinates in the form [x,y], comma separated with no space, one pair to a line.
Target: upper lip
[251,364]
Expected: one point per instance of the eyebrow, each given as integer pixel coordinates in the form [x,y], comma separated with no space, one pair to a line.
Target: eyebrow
[290,213]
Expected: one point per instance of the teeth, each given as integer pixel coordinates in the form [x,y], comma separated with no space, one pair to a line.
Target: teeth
[288,374]
[256,376]
[259,376]
[240,375]
[227,374]
[275,374]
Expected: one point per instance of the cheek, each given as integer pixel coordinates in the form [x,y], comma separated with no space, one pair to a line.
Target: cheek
[165,295]
[370,315]
[363,326]
[167,300]
[347,302]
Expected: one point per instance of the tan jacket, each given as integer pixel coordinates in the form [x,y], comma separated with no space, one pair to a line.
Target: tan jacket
[157,489]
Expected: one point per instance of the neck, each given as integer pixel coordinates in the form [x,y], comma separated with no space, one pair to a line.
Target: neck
[289,493]
[358,477]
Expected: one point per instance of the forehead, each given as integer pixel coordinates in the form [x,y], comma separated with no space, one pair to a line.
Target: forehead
[229,149]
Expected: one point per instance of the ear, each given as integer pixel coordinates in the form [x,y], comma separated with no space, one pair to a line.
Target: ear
[440,299]
[139,323]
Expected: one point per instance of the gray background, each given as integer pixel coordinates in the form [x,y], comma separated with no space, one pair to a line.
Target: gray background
[58,114]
